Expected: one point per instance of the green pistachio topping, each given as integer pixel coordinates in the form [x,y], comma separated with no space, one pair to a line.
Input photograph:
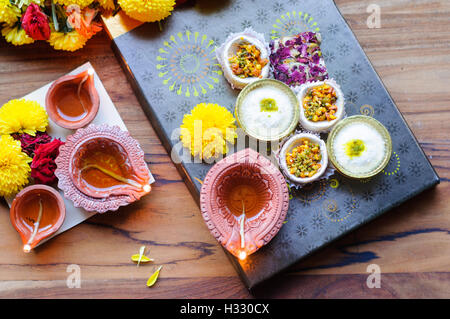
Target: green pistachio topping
[354,148]
[268,105]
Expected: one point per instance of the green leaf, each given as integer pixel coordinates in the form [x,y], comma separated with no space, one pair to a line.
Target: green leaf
[151,281]
[58,17]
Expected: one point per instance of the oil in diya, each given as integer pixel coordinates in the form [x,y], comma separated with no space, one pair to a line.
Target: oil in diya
[72,101]
[101,168]
[37,212]
[244,199]
[104,169]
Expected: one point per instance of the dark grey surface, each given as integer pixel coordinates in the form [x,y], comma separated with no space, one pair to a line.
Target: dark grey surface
[320,213]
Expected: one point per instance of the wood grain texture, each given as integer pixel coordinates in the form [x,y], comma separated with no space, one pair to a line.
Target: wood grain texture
[411,52]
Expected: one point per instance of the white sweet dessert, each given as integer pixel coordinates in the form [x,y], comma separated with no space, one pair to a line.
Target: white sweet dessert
[359,148]
[267,110]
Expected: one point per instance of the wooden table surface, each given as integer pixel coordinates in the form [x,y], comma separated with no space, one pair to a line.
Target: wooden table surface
[411,244]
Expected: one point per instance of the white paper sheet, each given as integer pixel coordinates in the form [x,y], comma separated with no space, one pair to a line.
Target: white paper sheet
[107,113]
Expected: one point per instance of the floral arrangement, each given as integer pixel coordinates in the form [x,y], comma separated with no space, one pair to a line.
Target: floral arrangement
[64,26]
[207,129]
[26,150]
[69,24]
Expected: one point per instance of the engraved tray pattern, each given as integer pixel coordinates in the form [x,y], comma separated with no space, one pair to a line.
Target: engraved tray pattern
[323,211]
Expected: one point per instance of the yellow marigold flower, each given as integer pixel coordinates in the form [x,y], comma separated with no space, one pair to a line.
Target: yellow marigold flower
[8,12]
[206,130]
[22,116]
[16,35]
[70,41]
[80,3]
[107,4]
[14,167]
[147,10]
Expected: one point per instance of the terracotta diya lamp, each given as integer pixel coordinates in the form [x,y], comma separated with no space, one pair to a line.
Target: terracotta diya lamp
[101,168]
[244,200]
[72,101]
[37,212]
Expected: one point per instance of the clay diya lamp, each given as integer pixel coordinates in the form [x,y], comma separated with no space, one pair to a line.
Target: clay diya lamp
[37,212]
[72,101]
[101,168]
[244,200]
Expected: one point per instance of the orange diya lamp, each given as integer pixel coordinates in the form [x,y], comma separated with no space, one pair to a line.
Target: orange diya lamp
[72,101]
[101,168]
[37,212]
[244,200]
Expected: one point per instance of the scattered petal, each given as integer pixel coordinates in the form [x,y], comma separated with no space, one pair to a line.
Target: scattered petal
[151,281]
[141,258]
[144,259]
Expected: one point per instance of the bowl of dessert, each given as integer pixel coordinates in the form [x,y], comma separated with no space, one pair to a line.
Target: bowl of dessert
[321,105]
[304,158]
[267,110]
[359,146]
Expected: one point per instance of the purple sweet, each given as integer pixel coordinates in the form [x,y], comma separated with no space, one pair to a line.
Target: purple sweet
[298,59]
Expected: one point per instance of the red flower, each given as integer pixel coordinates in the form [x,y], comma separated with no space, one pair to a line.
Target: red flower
[30,143]
[35,23]
[43,166]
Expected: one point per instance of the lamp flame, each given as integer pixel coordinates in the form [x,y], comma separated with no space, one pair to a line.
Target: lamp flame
[242,255]
[147,188]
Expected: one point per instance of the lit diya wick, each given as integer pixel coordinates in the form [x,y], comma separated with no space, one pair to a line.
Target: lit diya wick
[242,253]
[146,188]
